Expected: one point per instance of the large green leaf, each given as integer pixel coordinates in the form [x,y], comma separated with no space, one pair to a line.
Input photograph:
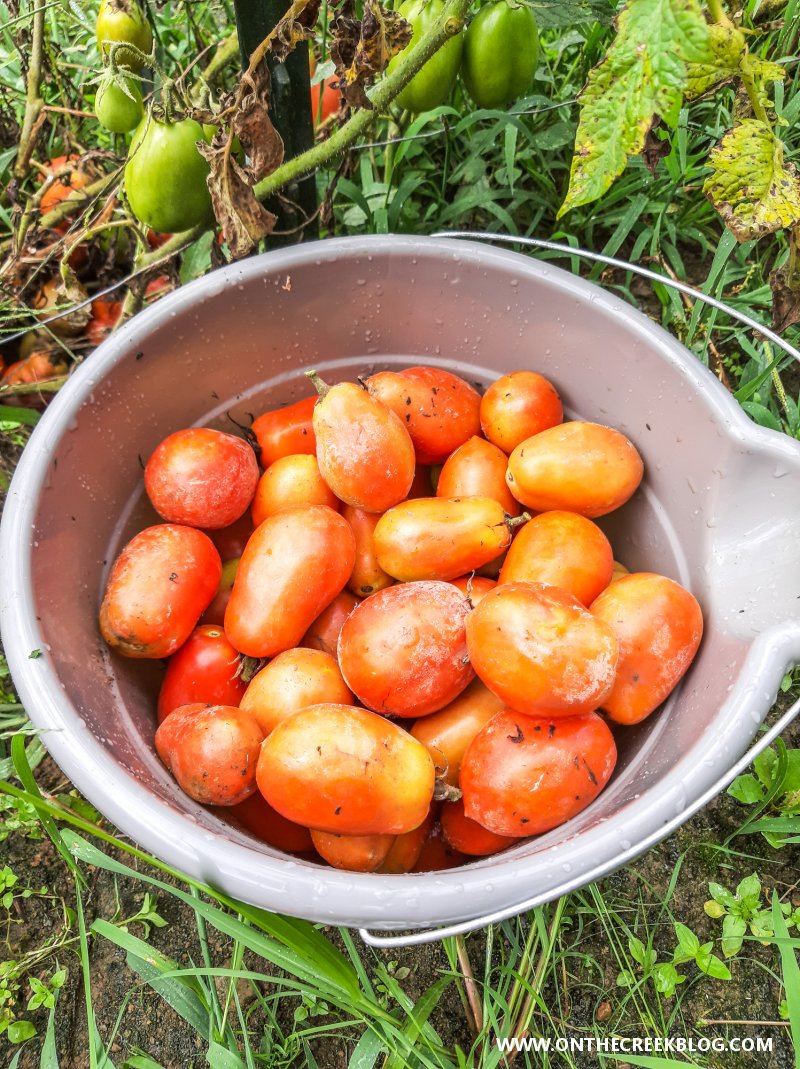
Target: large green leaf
[642,75]
[556,14]
[751,186]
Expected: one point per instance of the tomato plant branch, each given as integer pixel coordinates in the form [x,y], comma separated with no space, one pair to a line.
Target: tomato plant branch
[449,23]
[718,13]
[33,101]
[171,247]
[748,81]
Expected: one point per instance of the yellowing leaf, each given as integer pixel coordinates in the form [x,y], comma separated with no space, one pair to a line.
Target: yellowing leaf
[726,46]
[754,191]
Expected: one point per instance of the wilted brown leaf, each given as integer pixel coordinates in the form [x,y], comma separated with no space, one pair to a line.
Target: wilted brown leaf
[296,25]
[244,220]
[361,49]
[785,299]
[655,148]
[251,122]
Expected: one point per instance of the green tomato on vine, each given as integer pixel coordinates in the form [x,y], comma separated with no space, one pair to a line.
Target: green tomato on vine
[118,104]
[501,49]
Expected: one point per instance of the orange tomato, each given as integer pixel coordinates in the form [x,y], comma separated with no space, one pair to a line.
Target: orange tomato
[40,366]
[292,681]
[337,768]
[523,775]
[368,576]
[157,589]
[291,480]
[295,564]
[447,734]
[439,409]
[324,632]
[517,406]
[356,853]
[105,317]
[405,849]
[267,824]
[578,467]
[230,541]
[658,625]
[561,549]
[468,836]
[364,451]
[331,99]
[212,751]
[540,650]
[439,538]
[437,854]
[474,587]
[71,178]
[477,469]
[201,477]
[285,431]
[403,651]
[619,571]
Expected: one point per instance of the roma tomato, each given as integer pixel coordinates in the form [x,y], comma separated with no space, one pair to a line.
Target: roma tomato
[517,406]
[355,853]
[215,613]
[286,431]
[295,564]
[467,835]
[405,849]
[658,625]
[324,632]
[337,768]
[157,589]
[447,734]
[578,467]
[291,480]
[105,317]
[204,669]
[123,20]
[119,109]
[364,451]
[201,477]
[38,367]
[501,47]
[292,681]
[474,587]
[477,469]
[561,549]
[437,854]
[368,576]
[165,176]
[523,775]
[540,650]
[440,410]
[403,651]
[212,751]
[439,538]
[267,824]
[431,86]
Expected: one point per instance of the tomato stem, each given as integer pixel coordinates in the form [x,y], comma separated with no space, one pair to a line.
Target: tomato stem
[445,792]
[319,384]
[517,521]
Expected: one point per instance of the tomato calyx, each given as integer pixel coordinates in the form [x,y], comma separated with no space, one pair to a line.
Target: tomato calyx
[319,384]
[444,791]
[249,667]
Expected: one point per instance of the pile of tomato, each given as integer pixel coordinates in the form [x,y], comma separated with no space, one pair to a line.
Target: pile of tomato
[375,656]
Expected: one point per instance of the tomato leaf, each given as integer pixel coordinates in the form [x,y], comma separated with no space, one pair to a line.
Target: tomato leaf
[361,49]
[296,25]
[754,191]
[726,46]
[642,75]
[557,14]
[251,122]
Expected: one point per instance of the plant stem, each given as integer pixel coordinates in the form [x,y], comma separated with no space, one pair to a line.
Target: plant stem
[473,997]
[449,23]
[33,101]
[718,13]
[164,252]
[748,81]
[521,1025]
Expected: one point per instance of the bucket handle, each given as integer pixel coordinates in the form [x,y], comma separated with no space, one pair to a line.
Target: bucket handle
[432,935]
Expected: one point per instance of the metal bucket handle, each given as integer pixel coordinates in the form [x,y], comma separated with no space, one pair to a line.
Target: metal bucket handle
[432,935]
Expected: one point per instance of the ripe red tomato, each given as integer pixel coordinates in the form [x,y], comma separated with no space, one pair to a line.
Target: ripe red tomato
[212,751]
[324,632]
[201,477]
[70,178]
[294,565]
[658,624]
[356,853]
[405,849]
[215,612]
[285,431]
[157,589]
[523,775]
[204,669]
[477,469]
[518,406]
[447,734]
[267,824]
[331,99]
[291,480]
[437,854]
[367,576]
[467,835]
[440,410]
[105,316]
[403,651]
[336,768]
[540,650]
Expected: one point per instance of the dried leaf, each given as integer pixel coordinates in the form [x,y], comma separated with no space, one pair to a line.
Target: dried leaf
[726,46]
[642,75]
[296,25]
[754,191]
[655,148]
[251,122]
[361,49]
[244,220]
[785,299]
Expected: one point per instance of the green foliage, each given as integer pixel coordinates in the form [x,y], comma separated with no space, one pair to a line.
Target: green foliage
[774,787]
[741,910]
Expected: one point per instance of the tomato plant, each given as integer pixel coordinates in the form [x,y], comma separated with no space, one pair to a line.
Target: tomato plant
[165,175]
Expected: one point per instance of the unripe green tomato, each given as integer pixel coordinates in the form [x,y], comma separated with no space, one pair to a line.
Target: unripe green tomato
[165,176]
[431,86]
[115,109]
[124,20]
[501,47]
